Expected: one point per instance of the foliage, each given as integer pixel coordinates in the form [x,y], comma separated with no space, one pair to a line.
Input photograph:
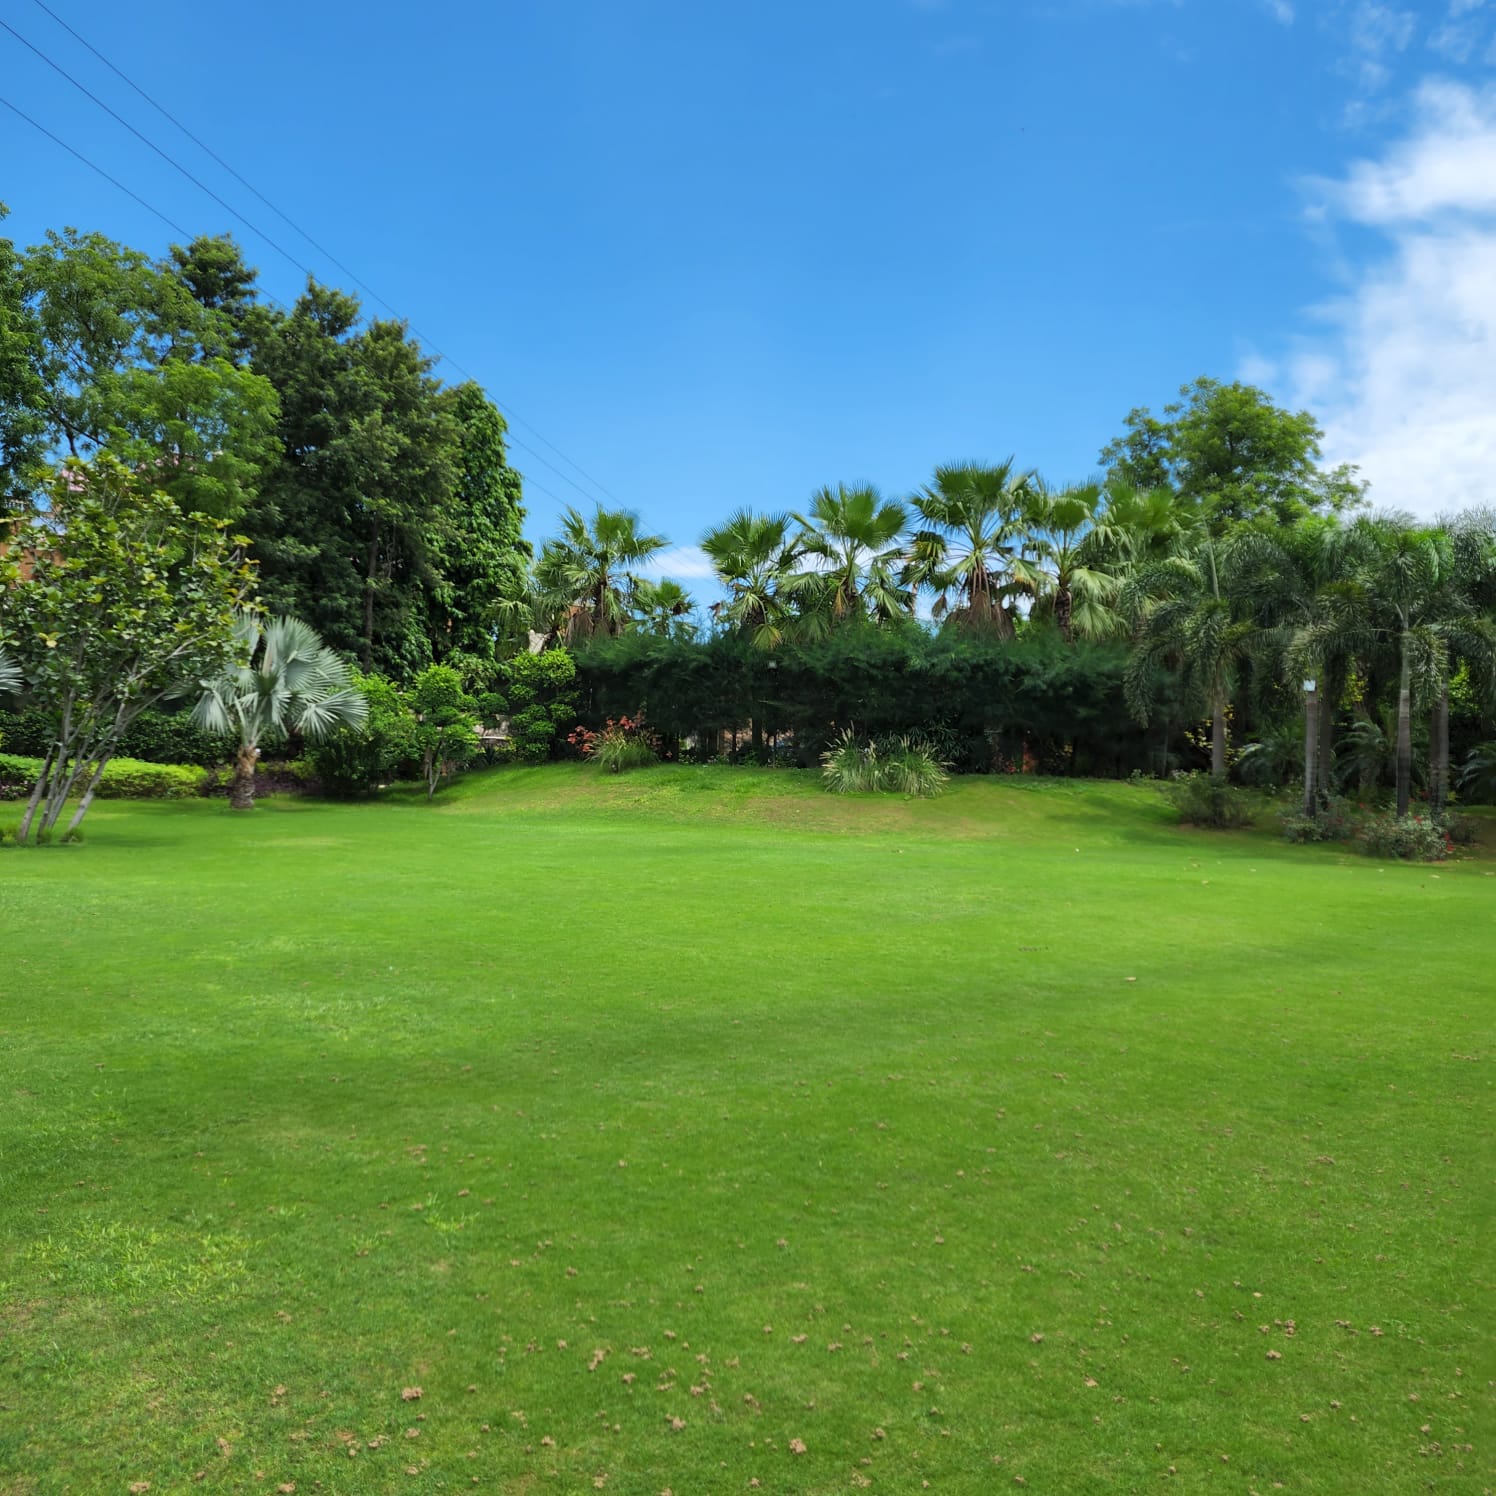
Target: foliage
[1478,774]
[446,729]
[1228,451]
[855,536]
[353,520]
[1332,822]
[902,767]
[286,680]
[355,760]
[1412,838]
[132,365]
[542,696]
[623,743]
[1205,800]
[129,601]
[587,575]
[122,779]
[478,555]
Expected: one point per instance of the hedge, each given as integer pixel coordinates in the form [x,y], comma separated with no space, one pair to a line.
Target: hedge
[124,779]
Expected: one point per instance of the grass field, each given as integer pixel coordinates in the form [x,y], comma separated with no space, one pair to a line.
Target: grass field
[694,1130]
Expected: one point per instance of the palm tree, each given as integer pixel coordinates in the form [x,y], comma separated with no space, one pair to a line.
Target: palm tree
[1136,526]
[1423,614]
[976,525]
[10,674]
[755,561]
[855,534]
[586,575]
[1063,568]
[1473,633]
[663,608]
[1185,615]
[290,682]
[1303,586]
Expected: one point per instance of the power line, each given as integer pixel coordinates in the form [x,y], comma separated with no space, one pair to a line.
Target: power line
[286,218]
[176,227]
[114,181]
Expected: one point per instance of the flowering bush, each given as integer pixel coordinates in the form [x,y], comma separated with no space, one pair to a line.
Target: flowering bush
[1333,822]
[1414,838]
[624,743]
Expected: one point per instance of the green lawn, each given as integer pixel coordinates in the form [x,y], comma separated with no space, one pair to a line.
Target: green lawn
[694,1130]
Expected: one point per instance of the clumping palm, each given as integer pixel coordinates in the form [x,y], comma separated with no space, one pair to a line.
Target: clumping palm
[903,767]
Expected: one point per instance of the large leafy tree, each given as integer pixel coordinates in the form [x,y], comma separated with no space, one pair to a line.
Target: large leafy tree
[129,363]
[587,574]
[478,555]
[23,391]
[127,602]
[284,680]
[350,522]
[974,532]
[1229,451]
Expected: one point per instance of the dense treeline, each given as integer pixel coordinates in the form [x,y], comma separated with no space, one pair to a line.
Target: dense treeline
[308,462]
[378,504]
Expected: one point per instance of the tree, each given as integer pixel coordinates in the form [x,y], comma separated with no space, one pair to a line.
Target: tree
[479,557]
[976,519]
[1064,565]
[213,271]
[664,608]
[855,534]
[351,522]
[586,575]
[128,602]
[1227,450]
[131,364]
[755,562]
[446,728]
[354,760]
[286,681]
[1186,617]
[23,393]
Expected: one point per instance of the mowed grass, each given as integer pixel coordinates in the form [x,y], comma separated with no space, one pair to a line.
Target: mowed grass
[696,1131]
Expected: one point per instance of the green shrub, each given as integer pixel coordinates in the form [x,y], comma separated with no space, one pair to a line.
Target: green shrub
[124,779]
[624,743]
[1460,829]
[1412,838]
[356,760]
[1332,823]
[1203,800]
[901,767]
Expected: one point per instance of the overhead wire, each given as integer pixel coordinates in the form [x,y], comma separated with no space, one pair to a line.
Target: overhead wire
[508,410]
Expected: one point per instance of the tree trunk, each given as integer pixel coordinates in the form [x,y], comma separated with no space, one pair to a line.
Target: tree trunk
[1438,790]
[43,776]
[1063,612]
[1218,742]
[242,791]
[757,728]
[1326,756]
[1404,731]
[367,653]
[1311,751]
[87,798]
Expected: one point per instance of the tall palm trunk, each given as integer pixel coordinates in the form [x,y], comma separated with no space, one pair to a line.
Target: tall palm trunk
[1312,709]
[1325,758]
[1218,741]
[242,791]
[1404,729]
[1438,792]
[1064,609]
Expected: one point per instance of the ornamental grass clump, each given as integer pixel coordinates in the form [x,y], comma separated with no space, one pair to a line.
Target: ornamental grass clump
[901,767]
[624,743]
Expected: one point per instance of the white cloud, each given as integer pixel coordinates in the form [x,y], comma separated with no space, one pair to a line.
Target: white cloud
[1280,10]
[1403,369]
[682,563]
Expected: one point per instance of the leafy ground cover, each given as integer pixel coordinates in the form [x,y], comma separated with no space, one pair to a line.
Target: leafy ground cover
[695,1130]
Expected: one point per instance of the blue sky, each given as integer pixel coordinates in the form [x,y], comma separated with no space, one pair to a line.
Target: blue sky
[721,254]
